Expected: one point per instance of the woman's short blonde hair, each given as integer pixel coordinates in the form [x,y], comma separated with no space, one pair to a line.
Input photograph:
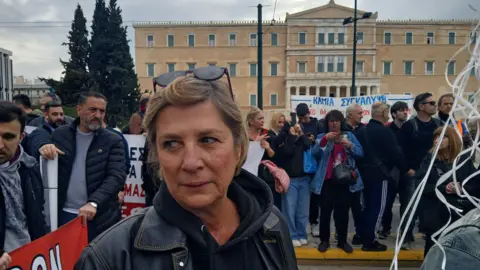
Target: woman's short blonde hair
[189,91]
[254,111]
[274,121]
[454,148]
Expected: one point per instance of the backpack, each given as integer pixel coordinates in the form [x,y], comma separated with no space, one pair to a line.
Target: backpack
[414,122]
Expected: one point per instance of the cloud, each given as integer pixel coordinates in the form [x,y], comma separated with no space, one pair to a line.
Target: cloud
[36,42]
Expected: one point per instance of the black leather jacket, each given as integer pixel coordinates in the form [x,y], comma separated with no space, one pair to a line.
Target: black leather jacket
[147,241]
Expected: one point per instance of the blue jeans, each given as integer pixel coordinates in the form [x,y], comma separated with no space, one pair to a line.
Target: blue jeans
[295,206]
[66,217]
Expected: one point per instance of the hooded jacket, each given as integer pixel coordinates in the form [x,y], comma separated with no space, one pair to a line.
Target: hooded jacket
[166,236]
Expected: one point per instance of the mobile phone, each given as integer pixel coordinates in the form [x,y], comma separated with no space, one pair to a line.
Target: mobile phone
[294,118]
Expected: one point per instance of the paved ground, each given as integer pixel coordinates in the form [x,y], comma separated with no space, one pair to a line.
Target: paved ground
[390,242]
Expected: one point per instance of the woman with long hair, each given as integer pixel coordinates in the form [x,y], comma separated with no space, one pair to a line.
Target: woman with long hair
[340,147]
[433,214]
[256,132]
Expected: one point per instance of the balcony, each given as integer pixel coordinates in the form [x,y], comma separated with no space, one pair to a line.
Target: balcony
[333,75]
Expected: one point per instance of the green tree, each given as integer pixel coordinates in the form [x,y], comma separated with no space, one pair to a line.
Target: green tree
[99,48]
[76,77]
[121,83]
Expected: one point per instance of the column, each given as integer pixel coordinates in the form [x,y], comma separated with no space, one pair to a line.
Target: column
[297,90]
[369,90]
[317,91]
[337,91]
[349,89]
[288,98]
[327,90]
[374,67]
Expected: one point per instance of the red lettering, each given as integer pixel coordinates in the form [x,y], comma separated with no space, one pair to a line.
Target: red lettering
[135,191]
[142,194]
[128,189]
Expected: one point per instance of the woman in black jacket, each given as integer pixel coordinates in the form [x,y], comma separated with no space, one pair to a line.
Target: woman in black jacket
[433,214]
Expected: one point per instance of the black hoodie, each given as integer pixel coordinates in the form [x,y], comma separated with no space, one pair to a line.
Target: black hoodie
[254,203]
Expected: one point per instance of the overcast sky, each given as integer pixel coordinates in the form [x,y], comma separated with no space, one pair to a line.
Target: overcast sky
[35,29]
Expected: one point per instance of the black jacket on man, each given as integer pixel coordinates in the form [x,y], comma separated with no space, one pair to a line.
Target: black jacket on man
[166,236]
[381,143]
[33,202]
[38,138]
[105,171]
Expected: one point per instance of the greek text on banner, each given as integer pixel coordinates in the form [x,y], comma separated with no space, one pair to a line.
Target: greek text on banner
[57,250]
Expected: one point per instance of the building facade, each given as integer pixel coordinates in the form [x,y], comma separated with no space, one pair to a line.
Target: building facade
[310,53]
[33,89]
[6,74]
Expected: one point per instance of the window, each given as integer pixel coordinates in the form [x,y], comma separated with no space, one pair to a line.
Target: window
[341,38]
[387,68]
[273,69]
[330,64]
[451,67]
[331,38]
[302,38]
[274,39]
[253,100]
[340,63]
[407,93]
[321,64]
[232,40]
[301,67]
[150,70]
[211,40]
[429,67]
[360,37]
[211,64]
[359,66]
[170,40]
[171,67]
[149,40]
[191,66]
[191,40]
[451,38]
[409,38]
[408,67]
[387,38]
[273,99]
[253,70]
[321,39]
[430,38]
[253,39]
[232,70]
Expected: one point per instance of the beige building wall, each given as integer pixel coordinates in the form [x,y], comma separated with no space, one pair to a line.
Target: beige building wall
[299,53]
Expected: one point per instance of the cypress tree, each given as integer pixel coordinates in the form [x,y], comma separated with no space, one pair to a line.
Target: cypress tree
[122,82]
[98,58]
[76,77]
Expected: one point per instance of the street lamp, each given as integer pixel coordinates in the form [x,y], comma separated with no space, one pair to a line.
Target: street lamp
[349,20]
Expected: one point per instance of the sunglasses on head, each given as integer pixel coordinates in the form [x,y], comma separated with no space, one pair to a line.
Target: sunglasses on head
[204,73]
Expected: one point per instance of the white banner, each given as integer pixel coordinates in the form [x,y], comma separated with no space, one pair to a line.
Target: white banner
[320,106]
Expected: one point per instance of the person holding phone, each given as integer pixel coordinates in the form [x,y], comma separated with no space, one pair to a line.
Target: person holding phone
[340,148]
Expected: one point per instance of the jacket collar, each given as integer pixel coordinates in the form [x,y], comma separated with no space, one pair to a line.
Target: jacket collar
[155,234]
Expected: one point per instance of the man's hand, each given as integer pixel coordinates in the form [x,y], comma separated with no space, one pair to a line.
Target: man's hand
[50,151]
[411,172]
[5,261]
[121,197]
[87,211]
[452,188]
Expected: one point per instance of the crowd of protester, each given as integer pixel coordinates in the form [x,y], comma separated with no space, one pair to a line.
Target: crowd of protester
[362,167]
[313,168]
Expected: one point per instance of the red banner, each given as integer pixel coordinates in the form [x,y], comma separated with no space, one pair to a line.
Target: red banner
[57,250]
